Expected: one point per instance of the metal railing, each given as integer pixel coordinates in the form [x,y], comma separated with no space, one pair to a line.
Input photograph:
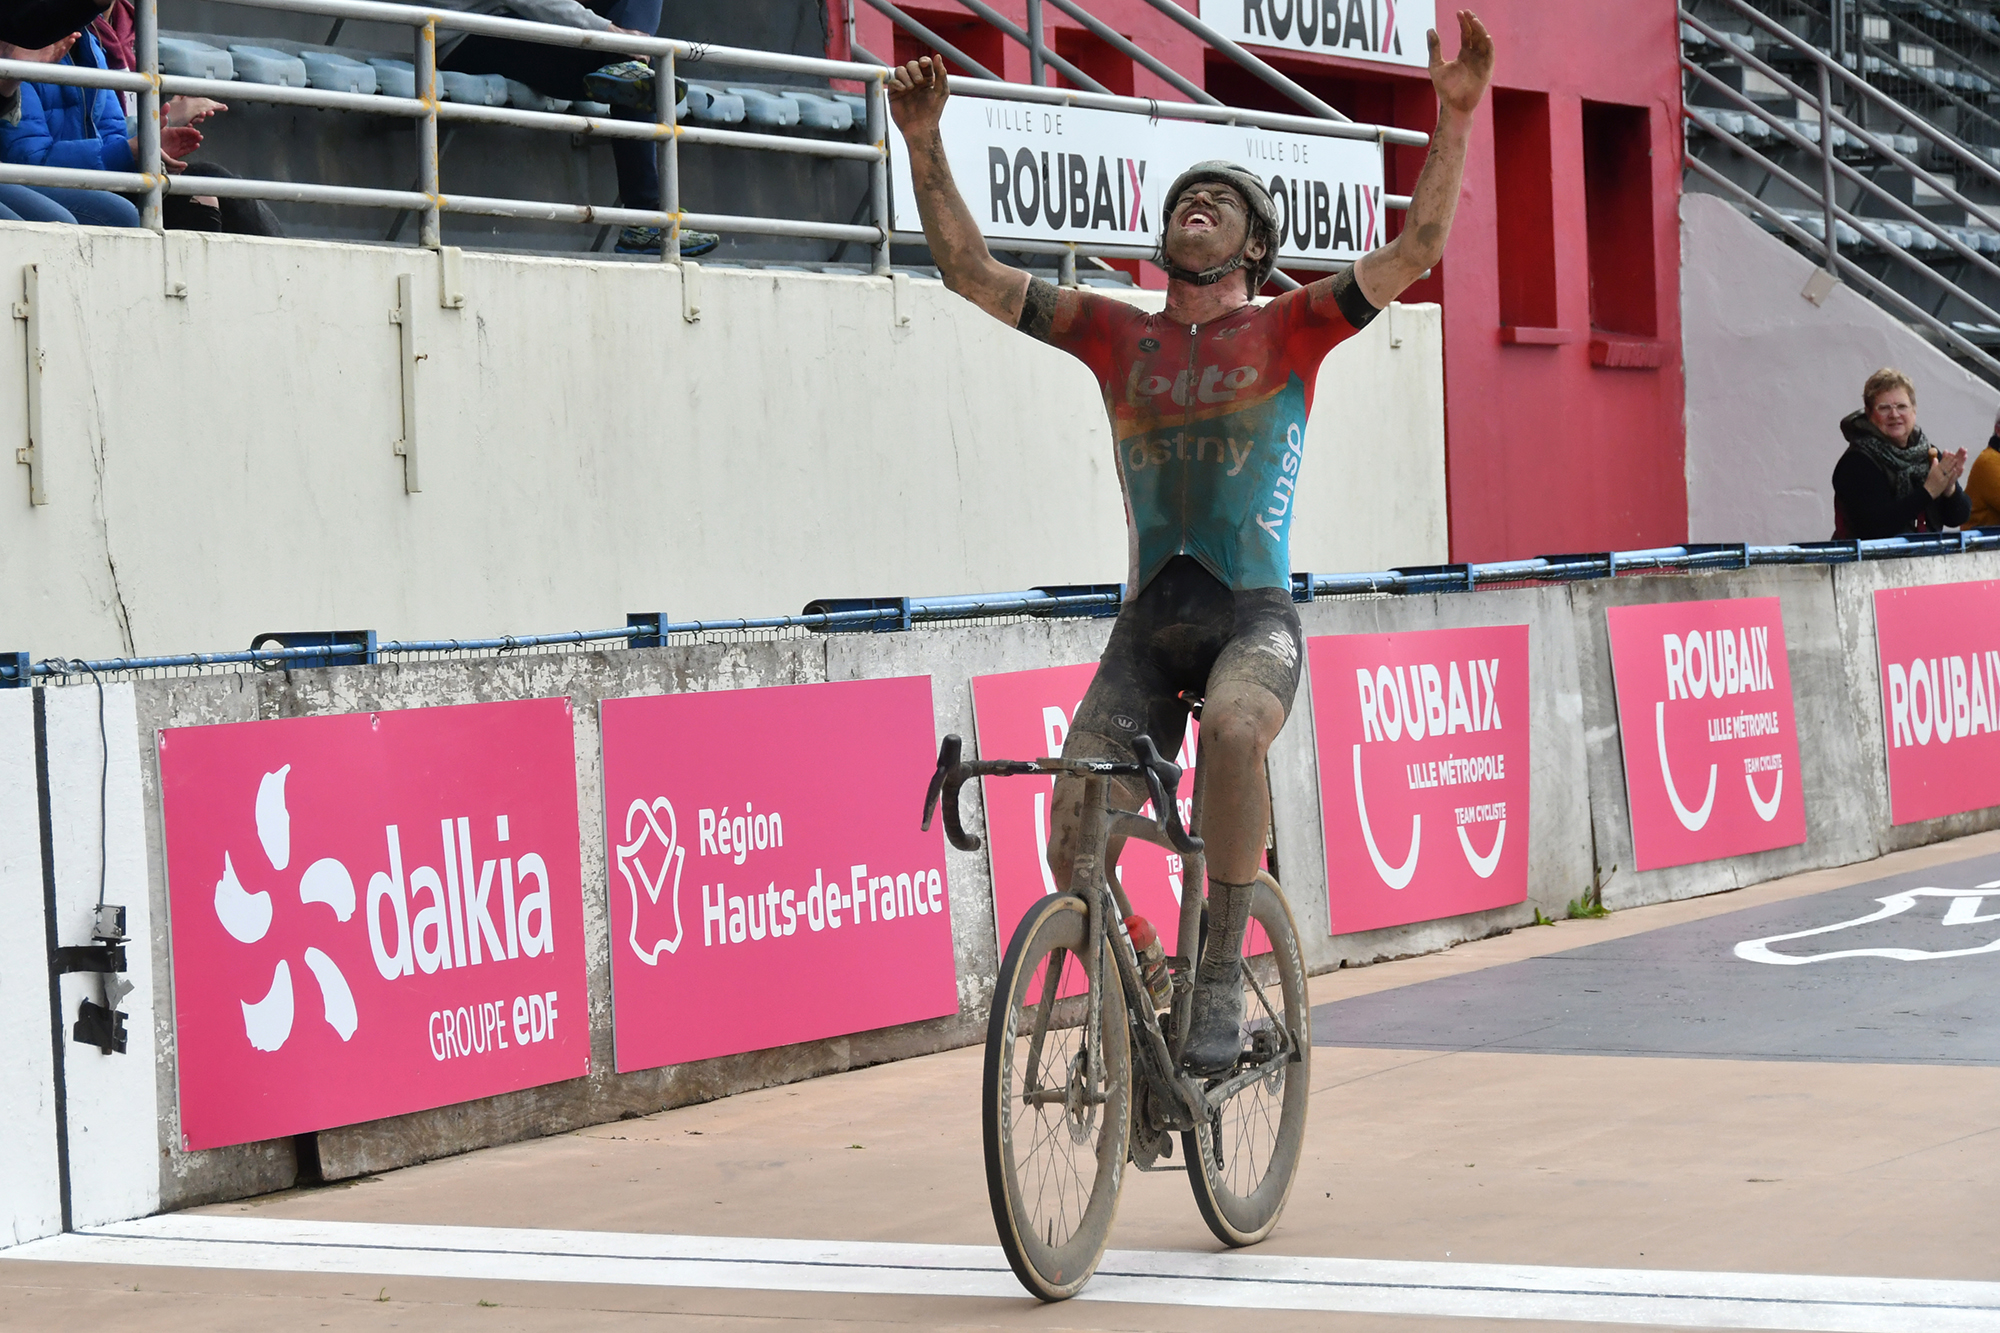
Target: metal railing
[427,110]
[1091,93]
[1824,196]
[899,613]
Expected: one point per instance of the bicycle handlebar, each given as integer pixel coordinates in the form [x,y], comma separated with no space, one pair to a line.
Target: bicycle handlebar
[1162,777]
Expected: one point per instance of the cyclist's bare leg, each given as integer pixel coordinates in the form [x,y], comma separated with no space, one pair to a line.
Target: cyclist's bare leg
[1238,724]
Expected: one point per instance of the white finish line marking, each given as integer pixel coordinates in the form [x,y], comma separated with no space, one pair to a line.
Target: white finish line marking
[869,1268]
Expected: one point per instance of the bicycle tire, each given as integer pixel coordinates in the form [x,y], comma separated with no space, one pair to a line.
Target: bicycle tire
[1241,1163]
[1053,1223]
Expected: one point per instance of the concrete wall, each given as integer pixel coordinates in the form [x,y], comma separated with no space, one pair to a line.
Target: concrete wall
[30,1188]
[221,464]
[1770,375]
[126,1156]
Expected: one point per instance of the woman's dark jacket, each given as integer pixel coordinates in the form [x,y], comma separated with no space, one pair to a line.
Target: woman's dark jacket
[1869,503]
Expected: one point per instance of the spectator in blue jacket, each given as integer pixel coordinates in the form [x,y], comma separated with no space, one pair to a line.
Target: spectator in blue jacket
[62,125]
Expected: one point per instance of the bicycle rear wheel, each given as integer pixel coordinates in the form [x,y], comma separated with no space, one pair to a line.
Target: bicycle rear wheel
[1241,1163]
[1056,1137]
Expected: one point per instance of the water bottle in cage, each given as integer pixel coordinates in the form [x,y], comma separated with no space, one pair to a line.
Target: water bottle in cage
[1152,960]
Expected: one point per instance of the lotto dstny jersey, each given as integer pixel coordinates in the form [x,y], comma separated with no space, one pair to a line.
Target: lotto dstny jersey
[1210,424]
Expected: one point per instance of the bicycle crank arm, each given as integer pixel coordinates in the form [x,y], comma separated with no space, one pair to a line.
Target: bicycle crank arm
[1235,1083]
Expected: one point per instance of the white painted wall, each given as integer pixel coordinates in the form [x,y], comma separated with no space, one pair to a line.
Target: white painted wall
[1770,375]
[221,464]
[30,1198]
[112,1100]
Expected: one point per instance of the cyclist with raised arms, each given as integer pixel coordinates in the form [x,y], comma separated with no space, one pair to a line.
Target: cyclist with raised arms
[1208,404]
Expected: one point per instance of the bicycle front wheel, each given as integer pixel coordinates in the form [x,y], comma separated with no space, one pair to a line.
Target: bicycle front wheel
[1056,1128]
[1241,1163]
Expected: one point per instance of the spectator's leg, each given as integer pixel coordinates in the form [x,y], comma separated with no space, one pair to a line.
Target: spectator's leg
[638,15]
[239,217]
[94,208]
[23,204]
[552,71]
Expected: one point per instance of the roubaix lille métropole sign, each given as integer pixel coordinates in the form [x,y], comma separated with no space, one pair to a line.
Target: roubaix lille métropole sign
[1054,173]
[1939,650]
[1705,699]
[768,881]
[1025,715]
[1432,729]
[372,913]
[1391,31]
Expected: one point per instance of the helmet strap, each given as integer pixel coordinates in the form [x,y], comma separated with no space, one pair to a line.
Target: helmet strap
[1207,277]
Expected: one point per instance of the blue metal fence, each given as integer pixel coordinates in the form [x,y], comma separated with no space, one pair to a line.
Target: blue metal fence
[880,614]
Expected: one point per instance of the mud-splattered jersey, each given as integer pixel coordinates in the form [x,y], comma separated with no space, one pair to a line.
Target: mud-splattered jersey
[1209,420]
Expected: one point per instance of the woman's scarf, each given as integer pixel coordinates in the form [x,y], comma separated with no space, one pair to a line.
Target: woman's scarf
[1907,466]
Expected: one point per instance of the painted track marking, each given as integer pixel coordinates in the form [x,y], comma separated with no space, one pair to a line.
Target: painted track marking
[1820,1304]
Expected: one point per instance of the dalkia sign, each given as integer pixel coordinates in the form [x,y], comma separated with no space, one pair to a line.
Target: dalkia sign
[1391,31]
[1073,174]
[373,913]
[1705,693]
[1940,659]
[1423,758]
[769,883]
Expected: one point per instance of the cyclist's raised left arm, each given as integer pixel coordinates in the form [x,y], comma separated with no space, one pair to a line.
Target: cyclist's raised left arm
[917,94]
[1383,273]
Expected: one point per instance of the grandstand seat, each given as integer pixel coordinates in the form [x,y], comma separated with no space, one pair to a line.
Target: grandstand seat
[768,109]
[394,78]
[714,105]
[822,113]
[598,109]
[195,60]
[472,89]
[523,98]
[337,73]
[857,107]
[262,64]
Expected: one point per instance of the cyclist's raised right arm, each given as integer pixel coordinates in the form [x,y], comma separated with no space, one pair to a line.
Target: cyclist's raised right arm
[917,94]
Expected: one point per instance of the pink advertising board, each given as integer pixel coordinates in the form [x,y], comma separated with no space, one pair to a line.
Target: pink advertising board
[1027,715]
[1705,718]
[1423,772]
[1939,649]
[769,883]
[372,913]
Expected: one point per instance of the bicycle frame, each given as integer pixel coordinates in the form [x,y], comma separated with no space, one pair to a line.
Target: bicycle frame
[1093,881]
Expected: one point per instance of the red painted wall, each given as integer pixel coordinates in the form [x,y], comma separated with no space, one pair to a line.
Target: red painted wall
[1563,437]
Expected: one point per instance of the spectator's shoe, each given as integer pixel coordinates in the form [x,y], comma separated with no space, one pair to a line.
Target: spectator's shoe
[629,83]
[647,241]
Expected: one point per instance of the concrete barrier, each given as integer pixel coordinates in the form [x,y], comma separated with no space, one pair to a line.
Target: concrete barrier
[124,1150]
[584,451]
[31,1186]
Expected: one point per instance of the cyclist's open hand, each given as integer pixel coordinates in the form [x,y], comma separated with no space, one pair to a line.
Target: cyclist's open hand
[917,93]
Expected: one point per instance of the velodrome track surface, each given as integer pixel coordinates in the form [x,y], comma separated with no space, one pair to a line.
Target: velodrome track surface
[1608,1124]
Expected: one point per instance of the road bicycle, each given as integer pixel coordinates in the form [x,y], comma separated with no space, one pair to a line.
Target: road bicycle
[1083,1073]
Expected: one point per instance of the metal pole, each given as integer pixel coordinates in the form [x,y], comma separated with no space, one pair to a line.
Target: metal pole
[428,234]
[147,41]
[1245,59]
[1035,42]
[878,171]
[670,158]
[1826,169]
[1123,44]
[1066,267]
[1837,13]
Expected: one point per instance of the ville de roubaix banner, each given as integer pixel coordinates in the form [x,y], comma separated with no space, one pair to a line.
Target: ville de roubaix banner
[1051,173]
[1940,665]
[1423,772]
[1391,31]
[372,913]
[1026,715]
[1705,718]
[769,882]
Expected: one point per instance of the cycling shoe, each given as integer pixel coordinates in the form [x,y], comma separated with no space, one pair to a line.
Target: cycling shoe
[1215,1027]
